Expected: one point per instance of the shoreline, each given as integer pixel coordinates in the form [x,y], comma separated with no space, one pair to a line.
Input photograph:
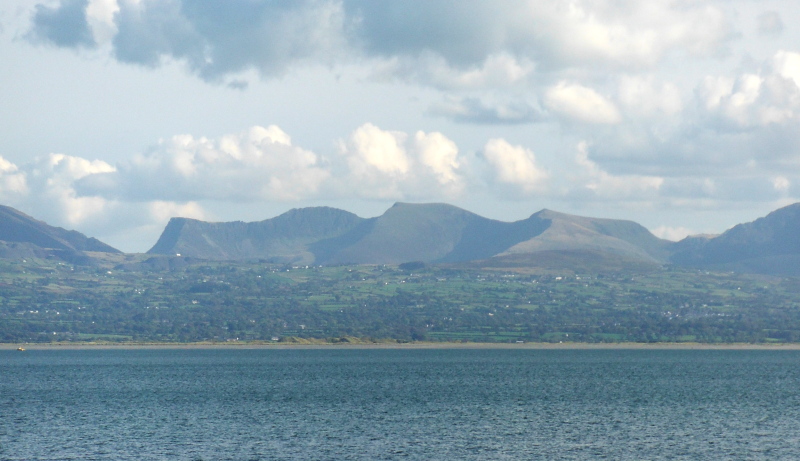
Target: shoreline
[411,345]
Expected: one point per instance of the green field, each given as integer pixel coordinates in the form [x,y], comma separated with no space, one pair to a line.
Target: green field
[45,301]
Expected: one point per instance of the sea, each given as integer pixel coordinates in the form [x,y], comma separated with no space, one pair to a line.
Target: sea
[399,404]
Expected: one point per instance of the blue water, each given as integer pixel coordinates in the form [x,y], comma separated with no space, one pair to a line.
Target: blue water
[265,404]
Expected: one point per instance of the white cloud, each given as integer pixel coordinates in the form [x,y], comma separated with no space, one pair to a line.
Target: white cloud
[373,150]
[515,166]
[745,93]
[580,103]
[12,181]
[712,90]
[787,65]
[391,165]
[629,34]
[672,233]
[440,155]
[161,211]
[257,164]
[781,183]
[583,34]
[51,179]
[769,97]
[100,16]
[261,164]
[45,187]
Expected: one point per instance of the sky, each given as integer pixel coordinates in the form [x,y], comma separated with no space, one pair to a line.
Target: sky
[117,115]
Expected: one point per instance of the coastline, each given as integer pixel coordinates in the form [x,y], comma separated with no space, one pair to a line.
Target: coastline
[410,345]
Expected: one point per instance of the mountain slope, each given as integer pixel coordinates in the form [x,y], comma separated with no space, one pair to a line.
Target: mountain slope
[424,232]
[769,245]
[24,236]
[284,238]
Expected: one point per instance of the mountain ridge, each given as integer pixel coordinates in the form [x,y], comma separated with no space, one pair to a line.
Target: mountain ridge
[428,232]
[435,233]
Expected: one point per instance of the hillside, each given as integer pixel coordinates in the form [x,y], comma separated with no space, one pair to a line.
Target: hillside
[768,245]
[22,236]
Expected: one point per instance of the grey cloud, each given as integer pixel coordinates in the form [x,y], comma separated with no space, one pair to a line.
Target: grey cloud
[64,25]
[462,31]
[216,39]
[219,38]
[475,110]
[699,152]
[238,84]
[705,166]
[148,31]
[689,151]
[554,34]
